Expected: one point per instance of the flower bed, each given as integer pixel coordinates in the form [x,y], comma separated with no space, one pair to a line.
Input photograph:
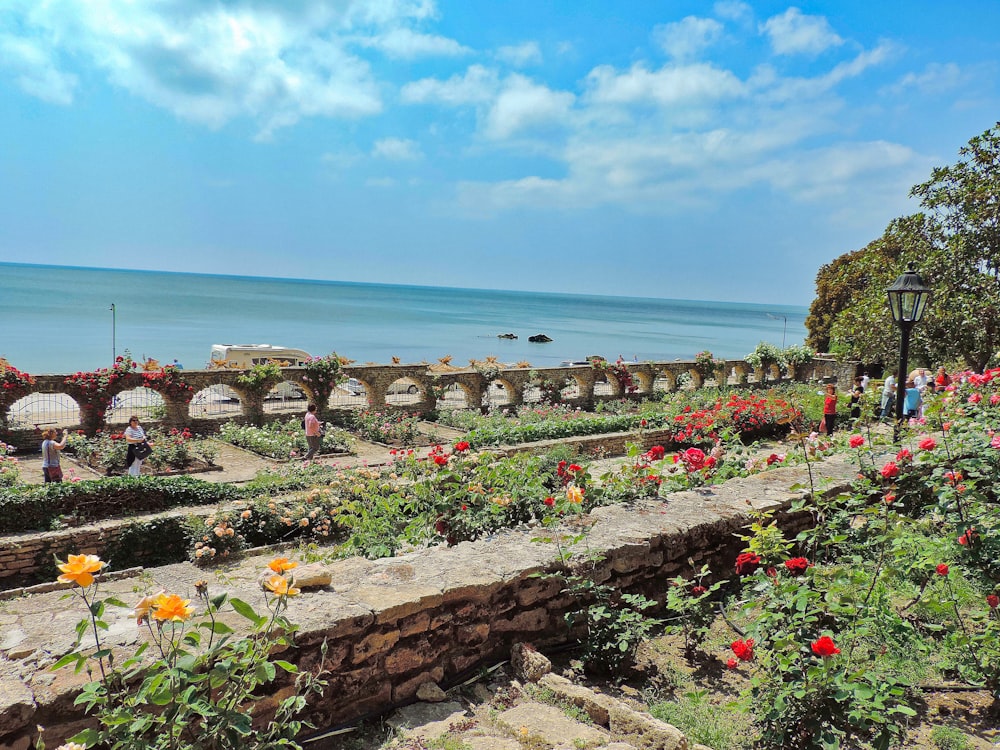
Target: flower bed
[173,451]
[281,440]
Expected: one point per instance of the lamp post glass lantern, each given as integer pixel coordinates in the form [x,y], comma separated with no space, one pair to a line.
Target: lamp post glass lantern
[908,298]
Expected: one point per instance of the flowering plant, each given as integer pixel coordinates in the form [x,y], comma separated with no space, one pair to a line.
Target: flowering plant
[169,381]
[94,391]
[9,469]
[193,677]
[322,375]
[13,383]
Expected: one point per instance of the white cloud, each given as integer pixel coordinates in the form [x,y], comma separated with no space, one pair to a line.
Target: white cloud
[733,10]
[671,84]
[793,33]
[408,44]
[396,149]
[520,55]
[35,70]
[523,104]
[381,182]
[476,85]
[936,78]
[688,37]
[211,63]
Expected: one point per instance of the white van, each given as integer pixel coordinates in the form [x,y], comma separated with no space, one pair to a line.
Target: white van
[248,355]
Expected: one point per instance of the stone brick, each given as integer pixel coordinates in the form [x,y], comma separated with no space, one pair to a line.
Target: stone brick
[418,623]
[376,643]
[524,622]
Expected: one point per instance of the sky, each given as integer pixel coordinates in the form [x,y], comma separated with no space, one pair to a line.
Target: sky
[673,149]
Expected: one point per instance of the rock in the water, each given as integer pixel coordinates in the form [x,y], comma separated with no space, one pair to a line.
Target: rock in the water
[539,338]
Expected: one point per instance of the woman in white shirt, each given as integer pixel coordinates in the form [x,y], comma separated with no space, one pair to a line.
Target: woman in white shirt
[134,435]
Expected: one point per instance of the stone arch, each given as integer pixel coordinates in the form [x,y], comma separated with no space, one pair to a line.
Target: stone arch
[670,380]
[405,391]
[696,379]
[742,370]
[139,400]
[501,392]
[774,372]
[42,409]
[644,377]
[286,396]
[217,399]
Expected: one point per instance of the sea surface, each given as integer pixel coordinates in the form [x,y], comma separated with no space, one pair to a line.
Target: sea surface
[56,319]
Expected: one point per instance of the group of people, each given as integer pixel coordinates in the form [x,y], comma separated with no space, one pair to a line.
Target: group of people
[917,384]
[139,449]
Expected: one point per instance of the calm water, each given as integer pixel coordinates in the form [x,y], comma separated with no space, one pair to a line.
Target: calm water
[58,319]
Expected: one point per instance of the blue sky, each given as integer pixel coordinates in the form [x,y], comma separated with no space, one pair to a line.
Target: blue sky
[678,149]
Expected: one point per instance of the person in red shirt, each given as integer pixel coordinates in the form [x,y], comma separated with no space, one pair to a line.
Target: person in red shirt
[830,409]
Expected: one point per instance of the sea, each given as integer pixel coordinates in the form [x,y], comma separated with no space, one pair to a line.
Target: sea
[58,319]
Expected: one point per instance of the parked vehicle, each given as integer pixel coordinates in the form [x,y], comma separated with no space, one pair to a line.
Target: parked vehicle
[356,388]
[248,355]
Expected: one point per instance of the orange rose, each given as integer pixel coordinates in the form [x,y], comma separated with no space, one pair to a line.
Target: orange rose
[281,564]
[279,586]
[170,607]
[79,569]
[574,494]
[143,606]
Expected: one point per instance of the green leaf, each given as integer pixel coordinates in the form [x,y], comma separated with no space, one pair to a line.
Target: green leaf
[244,609]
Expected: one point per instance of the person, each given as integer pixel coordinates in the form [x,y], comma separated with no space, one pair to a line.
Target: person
[921,379]
[134,435]
[864,379]
[888,396]
[177,364]
[830,409]
[856,395]
[942,380]
[314,432]
[911,400]
[51,470]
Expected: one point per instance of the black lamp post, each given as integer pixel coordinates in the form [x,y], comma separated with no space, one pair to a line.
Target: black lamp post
[908,298]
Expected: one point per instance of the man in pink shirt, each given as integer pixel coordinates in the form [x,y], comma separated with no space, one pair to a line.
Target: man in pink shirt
[314,433]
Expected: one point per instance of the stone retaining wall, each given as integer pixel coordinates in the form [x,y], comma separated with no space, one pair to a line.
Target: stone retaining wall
[28,558]
[392,624]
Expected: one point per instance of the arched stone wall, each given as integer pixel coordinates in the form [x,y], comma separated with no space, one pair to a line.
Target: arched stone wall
[378,378]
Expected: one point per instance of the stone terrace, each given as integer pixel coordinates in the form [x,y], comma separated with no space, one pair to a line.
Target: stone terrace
[427,616]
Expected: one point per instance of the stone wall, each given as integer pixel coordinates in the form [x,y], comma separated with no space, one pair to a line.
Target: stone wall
[377,380]
[389,625]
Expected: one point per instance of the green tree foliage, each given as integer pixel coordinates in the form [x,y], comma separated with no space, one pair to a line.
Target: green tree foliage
[956,249]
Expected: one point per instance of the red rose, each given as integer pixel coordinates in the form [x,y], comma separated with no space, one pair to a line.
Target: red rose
[747,563]
[904,455]
[732,663]
[993,600]
[798,565]
[550,501]
[942,569]
[440,460]
[856,441]
[890,470]
[698,590]
[461,446]
[656,452]
[927,444]
[824,646]
[743,649]
[575,468]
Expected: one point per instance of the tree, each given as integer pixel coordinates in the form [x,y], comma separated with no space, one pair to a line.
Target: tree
[956,249]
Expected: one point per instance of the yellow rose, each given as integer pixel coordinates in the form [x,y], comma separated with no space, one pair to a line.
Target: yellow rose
[79,569]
